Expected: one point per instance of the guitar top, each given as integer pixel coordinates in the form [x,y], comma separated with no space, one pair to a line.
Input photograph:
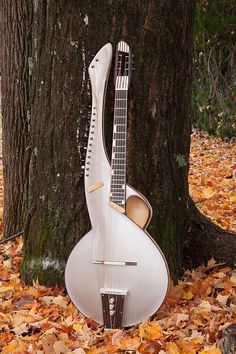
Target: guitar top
[116,273]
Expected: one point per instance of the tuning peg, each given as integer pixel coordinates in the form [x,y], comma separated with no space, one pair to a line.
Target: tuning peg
[85,147]
[82,167]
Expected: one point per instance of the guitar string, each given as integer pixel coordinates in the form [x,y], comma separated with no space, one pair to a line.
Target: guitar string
[99,254]
[102,221]
[112,210]
[113,178]
[120,150]
[98,243]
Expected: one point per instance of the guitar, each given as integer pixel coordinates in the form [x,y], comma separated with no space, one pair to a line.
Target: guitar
[116,273]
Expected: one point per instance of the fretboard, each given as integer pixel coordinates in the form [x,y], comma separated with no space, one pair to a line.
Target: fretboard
[118,160]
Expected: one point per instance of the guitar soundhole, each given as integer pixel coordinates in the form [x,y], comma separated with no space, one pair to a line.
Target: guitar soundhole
[113,306]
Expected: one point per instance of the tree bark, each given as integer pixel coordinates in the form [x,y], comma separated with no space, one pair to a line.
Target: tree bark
[15,39]
[65,36]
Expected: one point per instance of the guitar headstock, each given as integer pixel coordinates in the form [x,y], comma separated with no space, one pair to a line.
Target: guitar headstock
[123,66]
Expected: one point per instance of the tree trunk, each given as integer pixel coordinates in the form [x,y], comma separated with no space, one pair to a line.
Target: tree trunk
[59,100]
[15,41]
[65,36]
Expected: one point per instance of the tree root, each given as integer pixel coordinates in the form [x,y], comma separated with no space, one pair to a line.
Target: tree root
[228,341]
[203,240]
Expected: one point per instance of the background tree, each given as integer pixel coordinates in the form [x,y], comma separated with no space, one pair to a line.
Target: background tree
[214,89]
[64,37]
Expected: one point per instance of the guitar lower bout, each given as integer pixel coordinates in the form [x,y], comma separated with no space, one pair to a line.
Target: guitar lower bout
[138,211]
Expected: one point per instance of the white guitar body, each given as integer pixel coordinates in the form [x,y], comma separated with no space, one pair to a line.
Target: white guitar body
[117,256]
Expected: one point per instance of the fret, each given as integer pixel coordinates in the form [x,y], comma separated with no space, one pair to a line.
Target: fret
[116,169]
[120,119]
[118,200]
[119,178]
[120,129]
[116,172]
[119,158]
[118,164]
[119,149]
[118,154]
[117,196]
[119,142]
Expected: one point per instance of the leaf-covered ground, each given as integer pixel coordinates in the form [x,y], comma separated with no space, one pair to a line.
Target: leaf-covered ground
[36,319]
[212,178]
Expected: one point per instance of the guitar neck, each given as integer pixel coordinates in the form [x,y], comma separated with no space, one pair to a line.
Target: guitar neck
[118,160]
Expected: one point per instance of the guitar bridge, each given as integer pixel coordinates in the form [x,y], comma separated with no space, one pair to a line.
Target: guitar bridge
[113,306]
